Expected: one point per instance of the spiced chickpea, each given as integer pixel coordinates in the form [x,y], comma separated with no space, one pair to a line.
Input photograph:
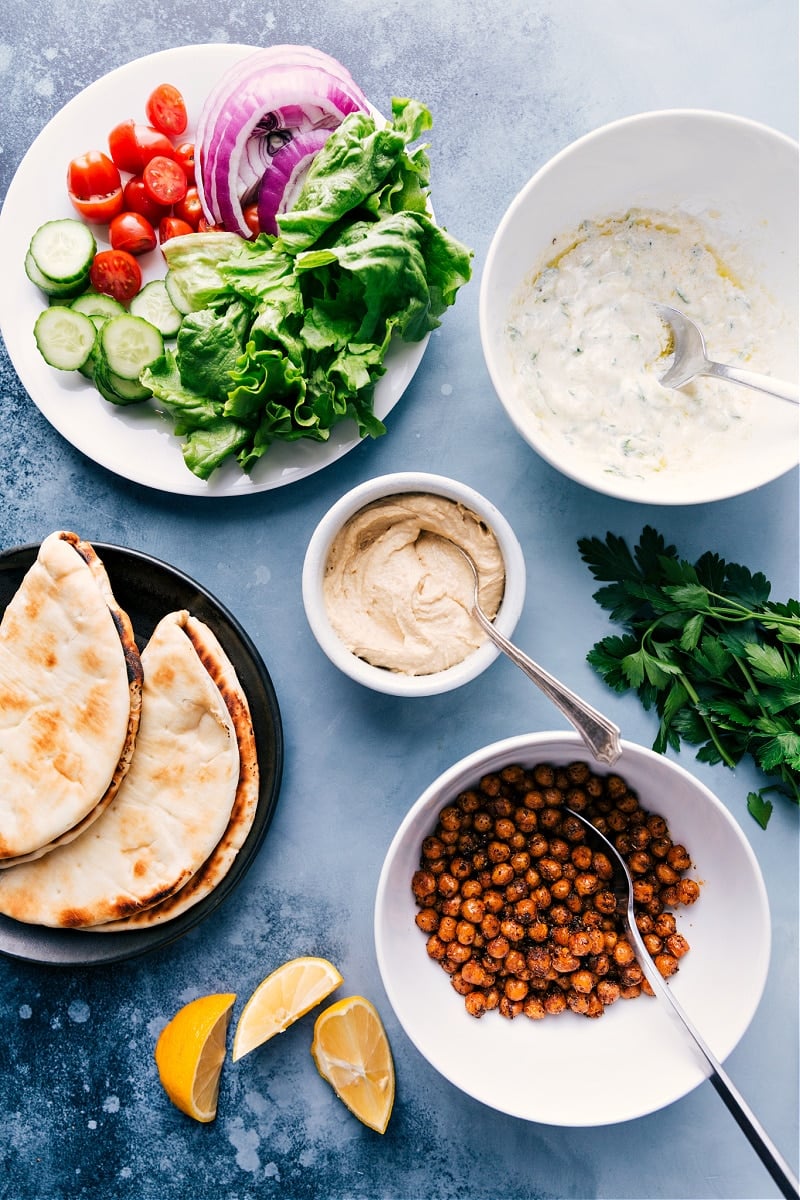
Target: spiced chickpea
[472,908]
[664,924]
[509,890]
[447,885]
[427,919]
[465,933]
[447,929]
[469,802]
[678,858]
[423,883]
[433,848]
[490,925]
[475,1003]
[677,945]
[667,964]
[560,889]
[525,820]
[451,817]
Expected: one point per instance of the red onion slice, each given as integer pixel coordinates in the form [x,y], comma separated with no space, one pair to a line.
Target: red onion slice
[276,78]
[282,178]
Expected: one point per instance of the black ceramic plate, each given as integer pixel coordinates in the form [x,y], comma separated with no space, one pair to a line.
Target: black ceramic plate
[148,589]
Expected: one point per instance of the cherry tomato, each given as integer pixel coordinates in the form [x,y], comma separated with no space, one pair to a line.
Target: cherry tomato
[184,154]
[95,187]
[204,226]
[132,232]
[132,145]
[189,208]
[137,199]
[250,214]
[171,227]
[164,180]
[166,109]
[116,273]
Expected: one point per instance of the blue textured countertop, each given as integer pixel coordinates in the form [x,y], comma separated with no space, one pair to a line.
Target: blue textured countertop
[81,1112]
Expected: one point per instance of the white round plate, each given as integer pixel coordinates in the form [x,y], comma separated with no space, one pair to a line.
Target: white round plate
[569,1070]
[136,442]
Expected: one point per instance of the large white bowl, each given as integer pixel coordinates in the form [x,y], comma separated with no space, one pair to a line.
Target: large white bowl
[392,682]
[568,1070]
[741,179]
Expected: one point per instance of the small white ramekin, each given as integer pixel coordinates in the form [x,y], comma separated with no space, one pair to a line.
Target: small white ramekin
[392,682]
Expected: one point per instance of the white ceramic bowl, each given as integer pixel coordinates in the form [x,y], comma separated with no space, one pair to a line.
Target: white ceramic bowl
[377,678]
[568,1070]
[741,180]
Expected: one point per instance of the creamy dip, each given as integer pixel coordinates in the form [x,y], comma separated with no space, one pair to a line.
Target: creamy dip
[398,593]
[587,346]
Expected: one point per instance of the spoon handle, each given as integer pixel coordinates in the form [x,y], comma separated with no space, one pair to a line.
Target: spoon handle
[762,383]
[747,1121]
[599,734]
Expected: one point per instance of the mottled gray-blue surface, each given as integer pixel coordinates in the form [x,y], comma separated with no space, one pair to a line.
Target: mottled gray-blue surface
[82,1115]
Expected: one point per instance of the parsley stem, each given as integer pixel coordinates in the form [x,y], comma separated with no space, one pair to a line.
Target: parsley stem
[712,733]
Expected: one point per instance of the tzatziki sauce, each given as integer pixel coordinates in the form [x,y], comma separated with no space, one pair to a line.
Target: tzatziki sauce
[587,346]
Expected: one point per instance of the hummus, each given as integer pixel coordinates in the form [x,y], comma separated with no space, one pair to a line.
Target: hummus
[399,594]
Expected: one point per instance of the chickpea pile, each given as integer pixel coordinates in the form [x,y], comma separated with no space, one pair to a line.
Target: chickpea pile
[518,907]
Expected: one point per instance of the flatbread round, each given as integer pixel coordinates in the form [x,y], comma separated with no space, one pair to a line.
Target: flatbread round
[216,867]
[70,699]
[170,813]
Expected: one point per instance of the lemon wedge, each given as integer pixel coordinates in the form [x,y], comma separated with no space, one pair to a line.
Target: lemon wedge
[190,1052]
[351,1050]
[282,998]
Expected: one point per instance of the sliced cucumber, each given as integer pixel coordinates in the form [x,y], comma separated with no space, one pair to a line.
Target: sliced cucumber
[58,291]
[63,250]
[114,388]
[129,344]
[177,294]
[95,304]
[153,303]
[127,389]
[65,338]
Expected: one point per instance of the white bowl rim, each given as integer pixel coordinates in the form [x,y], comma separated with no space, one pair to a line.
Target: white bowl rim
[518,748]
[395,483]
[606,486]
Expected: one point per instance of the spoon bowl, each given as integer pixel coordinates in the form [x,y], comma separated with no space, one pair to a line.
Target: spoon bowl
[690,359]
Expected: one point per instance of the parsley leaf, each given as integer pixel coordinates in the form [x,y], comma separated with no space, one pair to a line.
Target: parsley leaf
[704,646]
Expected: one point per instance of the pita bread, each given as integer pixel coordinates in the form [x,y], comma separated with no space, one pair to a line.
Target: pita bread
[170,813]
[216,867]
[70,699]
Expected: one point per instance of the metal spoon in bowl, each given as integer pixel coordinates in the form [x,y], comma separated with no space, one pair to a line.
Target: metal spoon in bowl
[689,359]
[599,734]
[748,1123]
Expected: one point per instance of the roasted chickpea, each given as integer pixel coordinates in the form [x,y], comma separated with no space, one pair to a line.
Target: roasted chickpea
[502,874]
[475,1004]
[427,920]
[423,883]
[447,929]
[433,848]
[515,902]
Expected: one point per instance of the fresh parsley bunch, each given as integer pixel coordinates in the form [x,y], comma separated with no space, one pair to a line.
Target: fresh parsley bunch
[707,649]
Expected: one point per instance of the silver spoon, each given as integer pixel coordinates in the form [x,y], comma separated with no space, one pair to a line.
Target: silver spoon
[599,734]
[690,359]
[765,1149]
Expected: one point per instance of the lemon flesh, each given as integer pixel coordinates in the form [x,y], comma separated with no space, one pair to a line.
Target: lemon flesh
[352,1052]
[282,998]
